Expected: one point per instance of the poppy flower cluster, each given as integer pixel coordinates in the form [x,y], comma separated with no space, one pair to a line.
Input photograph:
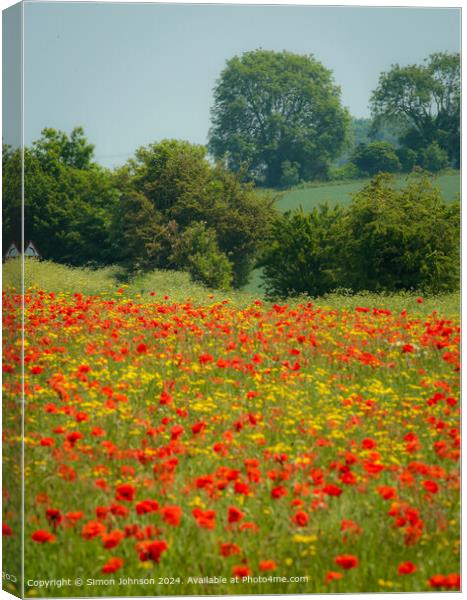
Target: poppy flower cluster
[261,440]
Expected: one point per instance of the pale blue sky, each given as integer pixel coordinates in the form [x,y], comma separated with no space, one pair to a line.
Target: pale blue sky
[131,74]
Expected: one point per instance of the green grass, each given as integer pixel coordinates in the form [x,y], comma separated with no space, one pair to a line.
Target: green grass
[340,192]
[178,286]
[53,277]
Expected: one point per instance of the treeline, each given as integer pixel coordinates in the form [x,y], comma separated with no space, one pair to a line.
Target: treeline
[167,208]
[388,239]
[170,208]
[278,118]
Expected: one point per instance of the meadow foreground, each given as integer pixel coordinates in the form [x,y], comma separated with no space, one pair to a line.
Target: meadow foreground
[202,448]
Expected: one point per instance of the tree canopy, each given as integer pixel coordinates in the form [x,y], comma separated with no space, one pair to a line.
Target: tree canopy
[174,203]
[275,112]
[423,103]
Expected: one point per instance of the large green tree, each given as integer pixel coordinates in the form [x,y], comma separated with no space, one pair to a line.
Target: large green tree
[274,111]
[168,188]
[423,103]
[68,199]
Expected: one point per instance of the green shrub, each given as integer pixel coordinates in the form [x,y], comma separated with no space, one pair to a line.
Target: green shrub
[290,174]
[401,239]
[301,254]
[387,240]
[376,157]
[181,188]
[433,158]
[407,157]
[343,172]
[197,251]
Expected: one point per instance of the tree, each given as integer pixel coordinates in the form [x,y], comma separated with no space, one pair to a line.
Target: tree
[183,188]
[302,254]
[388,239]
[68,199]
[198,251]
[57,148]
[401,239]
[433,158]
[277,109]
[138,237]
[423,103]
[376,157]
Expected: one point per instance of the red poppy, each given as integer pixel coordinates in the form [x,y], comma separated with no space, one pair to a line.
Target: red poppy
[141,348]
[198,427]
[47,442]
[332,576]
[6,530]
[154,550]
[241,571]
[406,568]
[176,432]
[278,491]
[41,536]
[332,490]
[125,492]
[73,517]
[431,486]
[171,515]
[205,519]
[300,518]
[267,565]
[387,492]
[112,539]
[234,514]
[112,565]
[92,529]
[228,548]
[53,516]
[437,581]
[146,506]
[346,561]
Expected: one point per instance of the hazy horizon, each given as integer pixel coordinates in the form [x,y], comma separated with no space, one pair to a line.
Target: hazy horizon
[131,74]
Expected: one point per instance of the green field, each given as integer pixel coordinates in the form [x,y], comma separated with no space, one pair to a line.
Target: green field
[341,192]
[178,287]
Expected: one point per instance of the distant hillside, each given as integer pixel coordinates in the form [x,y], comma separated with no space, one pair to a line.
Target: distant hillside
[340,193]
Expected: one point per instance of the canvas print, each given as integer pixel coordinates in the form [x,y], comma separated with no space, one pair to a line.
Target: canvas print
[230,299]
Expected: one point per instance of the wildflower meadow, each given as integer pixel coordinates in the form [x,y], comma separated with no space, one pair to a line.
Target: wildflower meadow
[181,447]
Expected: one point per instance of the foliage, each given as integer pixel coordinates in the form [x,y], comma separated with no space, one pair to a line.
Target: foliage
[388,239]
[434,158]
[290,174]
[344,172]
[301,254]
[401,239]
[341,192]
[273,107]
[139,238]
[180,188]
[423,102]
[376,157]
[56,148]
[168,173]
[408,158]
[198,252]
[67,208]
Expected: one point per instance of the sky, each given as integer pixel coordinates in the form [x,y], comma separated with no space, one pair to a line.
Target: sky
[132,74]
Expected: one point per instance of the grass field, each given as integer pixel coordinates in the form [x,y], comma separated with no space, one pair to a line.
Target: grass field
[340,193]
[228,445]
